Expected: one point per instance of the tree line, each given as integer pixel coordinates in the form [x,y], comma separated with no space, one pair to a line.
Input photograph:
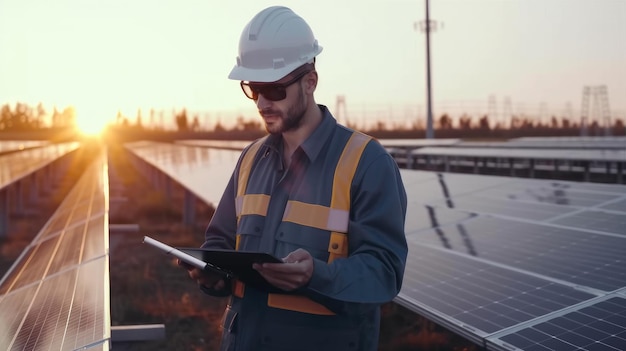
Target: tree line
[23,117]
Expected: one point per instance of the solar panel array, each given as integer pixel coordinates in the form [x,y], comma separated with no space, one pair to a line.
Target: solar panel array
[611,155]
[504,261]
[23,174]
[13,145]
[56,294]
[501,261]
[17,165]
[203,171]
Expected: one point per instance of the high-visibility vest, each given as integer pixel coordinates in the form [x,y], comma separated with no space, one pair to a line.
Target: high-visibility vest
[333,218]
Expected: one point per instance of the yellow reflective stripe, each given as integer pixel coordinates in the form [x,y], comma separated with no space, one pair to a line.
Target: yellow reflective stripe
[246,166]
[340,200]
[252,204]
[237,241]
[346,167]
[337,246]
[316,216]
[297,303]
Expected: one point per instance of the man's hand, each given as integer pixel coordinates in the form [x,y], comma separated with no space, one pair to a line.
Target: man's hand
[295,272]
[206,279]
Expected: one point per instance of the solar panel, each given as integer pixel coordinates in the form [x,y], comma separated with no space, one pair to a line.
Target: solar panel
[596,220]
[598,325]
[193,167]
[509,251]
[614,155]
[13,145]
[56,295]
[616,206]
[477,296]
[562,254]
[17,165]
[18,173]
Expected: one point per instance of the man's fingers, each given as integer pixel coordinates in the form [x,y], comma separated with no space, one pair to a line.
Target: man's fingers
[184,264]
[296,256]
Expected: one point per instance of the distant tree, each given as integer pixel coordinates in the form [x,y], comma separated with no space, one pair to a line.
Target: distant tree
[181,120]
[219,128]
[380,125]
[152,121]
[483,123]
[68,117]
[619,128]
[515,122]
[138,121]
[5,117]
[195,124]
[565,123]
[56,118]
[465,122]
[445,122]
[41,114]
[527,123]
[554,122]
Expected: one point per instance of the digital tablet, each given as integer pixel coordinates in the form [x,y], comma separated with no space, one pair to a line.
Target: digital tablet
[229,263]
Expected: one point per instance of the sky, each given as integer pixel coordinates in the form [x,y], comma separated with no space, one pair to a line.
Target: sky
[124,55]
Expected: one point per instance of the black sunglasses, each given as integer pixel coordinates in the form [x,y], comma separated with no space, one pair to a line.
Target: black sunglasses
[271,91]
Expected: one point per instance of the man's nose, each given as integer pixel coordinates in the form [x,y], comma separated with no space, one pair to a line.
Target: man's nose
[262,103]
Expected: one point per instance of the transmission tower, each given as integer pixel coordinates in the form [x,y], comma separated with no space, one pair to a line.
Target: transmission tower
[492,109]
[507,113]
[601,110]
[340,110]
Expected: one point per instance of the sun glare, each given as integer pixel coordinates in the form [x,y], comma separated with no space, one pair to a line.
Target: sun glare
[89,125]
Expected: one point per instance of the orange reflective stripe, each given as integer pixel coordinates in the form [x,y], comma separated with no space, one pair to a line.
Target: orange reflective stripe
[346,167]
[297,303]
[237,241]
[316,216]
[252,204]
[238,288]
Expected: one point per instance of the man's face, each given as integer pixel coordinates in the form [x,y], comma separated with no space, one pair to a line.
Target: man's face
[282,104]
[285,115]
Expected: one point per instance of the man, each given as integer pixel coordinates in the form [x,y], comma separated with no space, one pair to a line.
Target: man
[327,200]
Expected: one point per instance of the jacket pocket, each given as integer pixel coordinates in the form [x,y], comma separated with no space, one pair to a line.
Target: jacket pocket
[292,236]
[249,233]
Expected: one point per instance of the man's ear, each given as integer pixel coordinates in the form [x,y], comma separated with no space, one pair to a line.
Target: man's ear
[310,82]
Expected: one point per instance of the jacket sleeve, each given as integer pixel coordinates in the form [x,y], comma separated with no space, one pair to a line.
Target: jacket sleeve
[372,273]
[220,233]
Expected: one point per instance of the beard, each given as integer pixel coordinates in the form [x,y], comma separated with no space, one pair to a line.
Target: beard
[290,121]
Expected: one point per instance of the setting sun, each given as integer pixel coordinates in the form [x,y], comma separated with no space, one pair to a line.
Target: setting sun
[89,124]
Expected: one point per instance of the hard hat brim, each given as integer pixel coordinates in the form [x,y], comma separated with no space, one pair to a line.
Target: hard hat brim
[267,75]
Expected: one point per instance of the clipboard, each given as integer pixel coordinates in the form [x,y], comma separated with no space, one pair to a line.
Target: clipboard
[231,264]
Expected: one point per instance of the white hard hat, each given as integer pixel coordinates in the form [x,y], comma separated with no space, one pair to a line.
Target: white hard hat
[273,44]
